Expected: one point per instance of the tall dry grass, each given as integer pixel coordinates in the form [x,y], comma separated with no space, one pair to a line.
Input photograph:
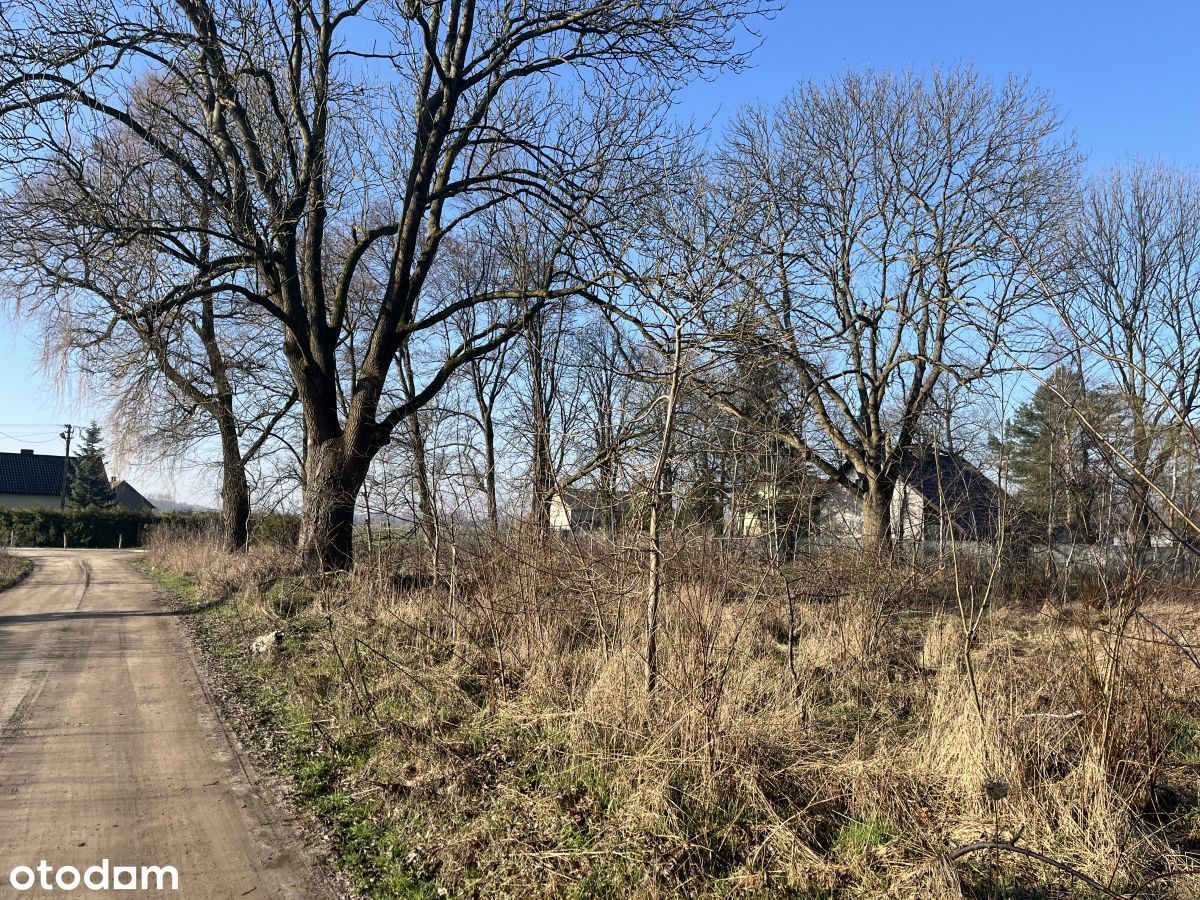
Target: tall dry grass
[834,727]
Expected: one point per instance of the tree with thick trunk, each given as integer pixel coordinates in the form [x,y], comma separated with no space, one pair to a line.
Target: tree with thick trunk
[876,501]
[396,124]
[92,258]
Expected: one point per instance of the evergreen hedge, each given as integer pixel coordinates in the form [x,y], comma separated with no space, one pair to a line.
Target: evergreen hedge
[119,527]
[278,529]
[87,527]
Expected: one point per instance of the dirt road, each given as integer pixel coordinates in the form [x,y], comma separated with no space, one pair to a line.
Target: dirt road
[109,748]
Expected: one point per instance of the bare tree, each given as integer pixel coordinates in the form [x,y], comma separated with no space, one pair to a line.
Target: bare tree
[93,257]
[879,252]
[398,123]
[680,270]
[608,407]
[1131,301]
[489,376]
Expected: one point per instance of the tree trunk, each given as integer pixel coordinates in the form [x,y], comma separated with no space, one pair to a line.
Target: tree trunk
[1138,531]
[327,522]
[426,505]
[425,500]
[654,592]
[1138,534]
[235,493]
[489,461]
[486,390]
[876,505]
[541,387]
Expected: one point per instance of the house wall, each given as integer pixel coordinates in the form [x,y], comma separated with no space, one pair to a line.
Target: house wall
[839,519]
[753,518]
[29,501]
[563,517]
[908,514]
[560,515]
[751,523]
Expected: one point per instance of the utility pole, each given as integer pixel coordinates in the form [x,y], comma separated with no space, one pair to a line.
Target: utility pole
[62,498]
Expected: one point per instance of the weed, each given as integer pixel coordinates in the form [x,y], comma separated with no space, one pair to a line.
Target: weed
[859,836]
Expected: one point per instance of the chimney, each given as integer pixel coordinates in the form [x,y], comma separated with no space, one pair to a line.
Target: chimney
[25,452]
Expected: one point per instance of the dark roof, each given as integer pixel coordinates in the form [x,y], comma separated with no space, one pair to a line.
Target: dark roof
[972,500]
[31,473]
[582,497]
[968,498]
[130,498]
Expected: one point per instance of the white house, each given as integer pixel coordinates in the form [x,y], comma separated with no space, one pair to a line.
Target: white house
[573,509]
[938,495]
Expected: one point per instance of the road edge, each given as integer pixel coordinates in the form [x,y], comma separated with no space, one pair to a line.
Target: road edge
[272,787]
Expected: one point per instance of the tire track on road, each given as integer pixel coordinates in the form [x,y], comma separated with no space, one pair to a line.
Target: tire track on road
[31,669]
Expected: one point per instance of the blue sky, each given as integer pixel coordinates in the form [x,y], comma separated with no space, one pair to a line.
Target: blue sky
[1125,76]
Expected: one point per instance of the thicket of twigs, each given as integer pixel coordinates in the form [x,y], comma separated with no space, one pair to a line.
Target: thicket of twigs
[824,728]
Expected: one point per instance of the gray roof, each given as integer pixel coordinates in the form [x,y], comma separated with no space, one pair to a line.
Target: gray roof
[968,498]
[130,498]
[31,473]
[971,500]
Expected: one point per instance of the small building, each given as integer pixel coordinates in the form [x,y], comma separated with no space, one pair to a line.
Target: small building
[31,480]
[583,509]
[128,497]
[945,497]
[938,496]
[784,513]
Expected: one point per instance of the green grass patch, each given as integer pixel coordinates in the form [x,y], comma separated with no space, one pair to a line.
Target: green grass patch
[860,836]
[1183,738]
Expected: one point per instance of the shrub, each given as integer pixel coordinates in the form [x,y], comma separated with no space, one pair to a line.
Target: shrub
[266,529]
[822,729]
[275,529]
[88,527]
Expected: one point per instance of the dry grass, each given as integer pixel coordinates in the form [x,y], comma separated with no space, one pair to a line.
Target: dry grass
[494,722]
[12,569]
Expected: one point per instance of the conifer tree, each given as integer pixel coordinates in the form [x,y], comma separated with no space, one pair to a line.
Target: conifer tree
[1054,460]
[89,481]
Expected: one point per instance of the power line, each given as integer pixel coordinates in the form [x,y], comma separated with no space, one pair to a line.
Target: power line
[25,439]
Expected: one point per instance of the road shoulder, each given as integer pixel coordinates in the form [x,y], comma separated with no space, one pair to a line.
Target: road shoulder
[242,722]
